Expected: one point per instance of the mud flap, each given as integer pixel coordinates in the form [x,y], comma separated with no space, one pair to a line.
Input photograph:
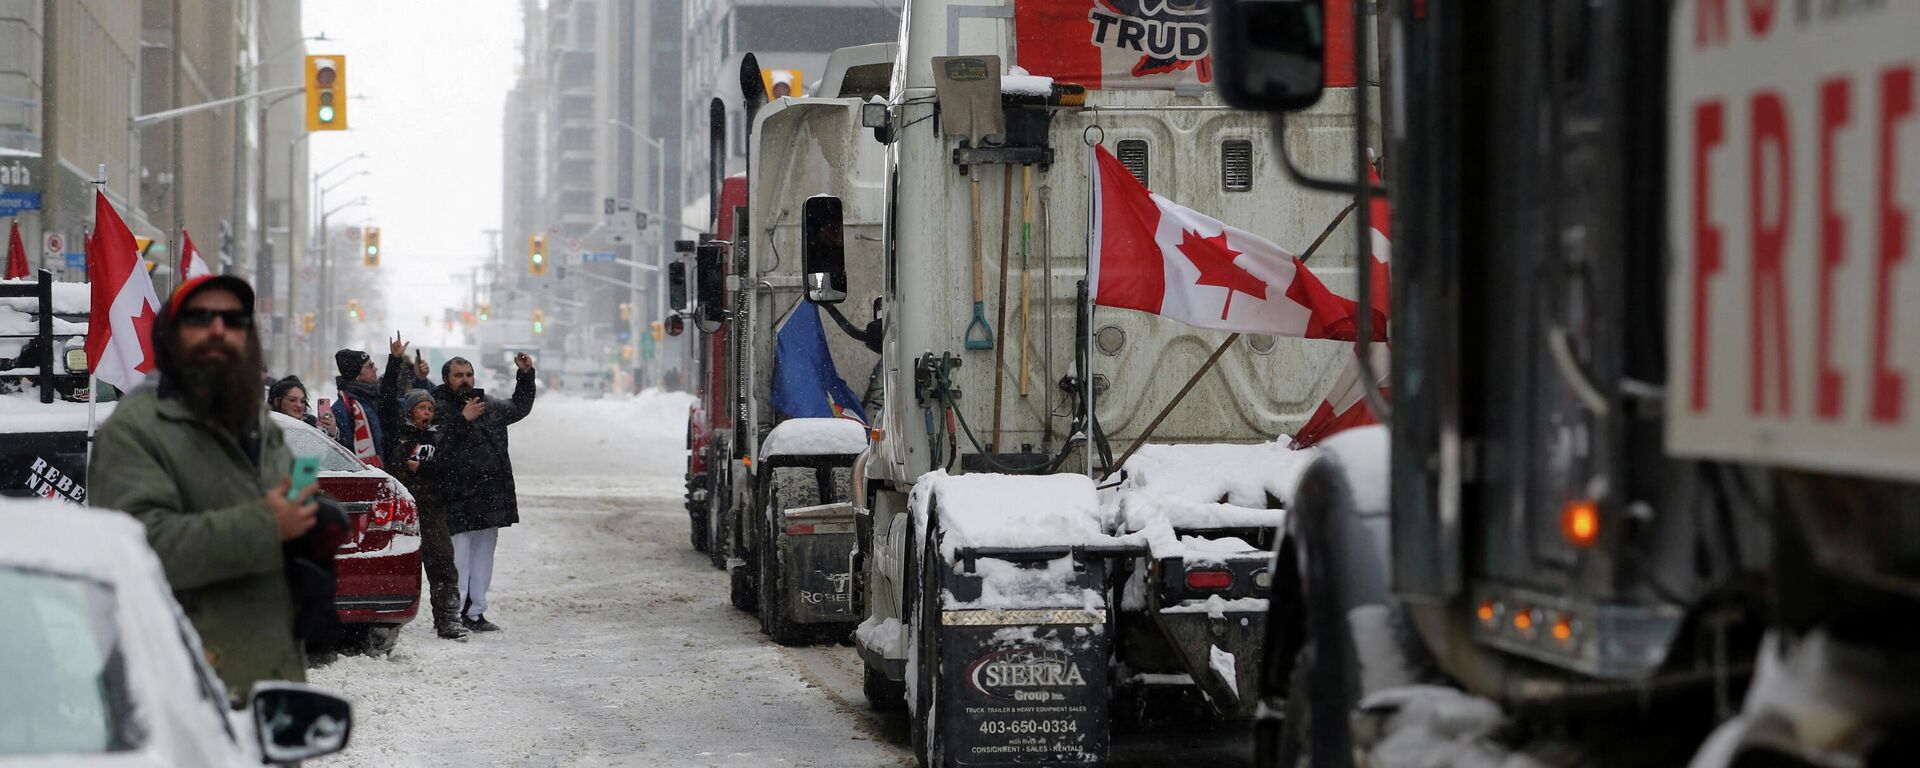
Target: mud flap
[816,551]
[1025,686]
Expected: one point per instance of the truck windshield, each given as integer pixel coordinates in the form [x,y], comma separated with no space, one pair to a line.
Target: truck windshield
[62,677]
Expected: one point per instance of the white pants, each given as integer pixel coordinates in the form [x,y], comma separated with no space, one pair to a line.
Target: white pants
[473,555]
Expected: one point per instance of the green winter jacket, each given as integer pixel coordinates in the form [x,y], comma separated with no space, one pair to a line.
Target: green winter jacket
[200,498]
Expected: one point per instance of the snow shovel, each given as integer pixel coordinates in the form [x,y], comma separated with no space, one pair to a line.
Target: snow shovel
[979,335]
[1026,280]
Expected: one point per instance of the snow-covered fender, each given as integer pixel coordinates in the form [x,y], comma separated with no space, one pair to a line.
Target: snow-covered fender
[1334,563]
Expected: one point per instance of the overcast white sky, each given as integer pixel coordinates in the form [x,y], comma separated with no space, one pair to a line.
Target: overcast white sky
[428,79]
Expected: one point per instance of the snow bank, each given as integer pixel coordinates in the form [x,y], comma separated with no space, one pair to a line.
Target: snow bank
[17,320]
[1425,726]
[815,437]
[23,412]
[990,510]
[885,635]
[628,445]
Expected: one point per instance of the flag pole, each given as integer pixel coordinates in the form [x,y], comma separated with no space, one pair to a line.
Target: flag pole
[1086,294]
[1214,358]
[93,378]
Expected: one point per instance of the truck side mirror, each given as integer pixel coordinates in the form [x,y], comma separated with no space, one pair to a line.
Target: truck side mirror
[677,286]
[823,253]
[296,722]
[1269,55]
[710,285]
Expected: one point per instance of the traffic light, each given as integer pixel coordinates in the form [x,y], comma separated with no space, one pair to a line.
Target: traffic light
[659,331]
[626,311]
[486,311]
[370,246]
[306,322]
[626,352]
[326,93]
[537,255]
[539,321]
[353,309]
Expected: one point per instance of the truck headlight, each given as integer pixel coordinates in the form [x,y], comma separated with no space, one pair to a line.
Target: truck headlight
[77,360]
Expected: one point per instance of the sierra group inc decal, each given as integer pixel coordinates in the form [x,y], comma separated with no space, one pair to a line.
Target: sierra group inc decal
[1025,674]
[1117,43]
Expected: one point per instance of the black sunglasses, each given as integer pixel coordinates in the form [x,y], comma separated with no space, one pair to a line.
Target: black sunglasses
[201,318]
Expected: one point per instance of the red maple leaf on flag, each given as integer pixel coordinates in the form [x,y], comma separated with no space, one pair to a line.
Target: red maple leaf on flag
[145,319]
[1215,261]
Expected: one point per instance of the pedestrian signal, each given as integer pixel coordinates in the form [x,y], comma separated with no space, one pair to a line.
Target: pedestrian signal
[537,255]
[370,246]
[626,352]
[326,93]
[626,311]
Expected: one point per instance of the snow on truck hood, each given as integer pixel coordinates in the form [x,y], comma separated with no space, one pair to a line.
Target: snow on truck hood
[815,437]
[23,412]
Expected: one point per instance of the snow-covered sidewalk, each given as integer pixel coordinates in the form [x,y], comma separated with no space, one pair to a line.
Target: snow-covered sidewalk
[619,647]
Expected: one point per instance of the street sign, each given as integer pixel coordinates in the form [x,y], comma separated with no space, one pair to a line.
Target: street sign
[76,262]
[53,243]
[596,256]
[623,335]
[12,203]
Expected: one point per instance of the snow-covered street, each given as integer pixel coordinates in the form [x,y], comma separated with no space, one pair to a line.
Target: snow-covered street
[619,646]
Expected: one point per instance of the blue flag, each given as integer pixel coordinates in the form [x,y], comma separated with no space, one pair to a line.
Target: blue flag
[805,383]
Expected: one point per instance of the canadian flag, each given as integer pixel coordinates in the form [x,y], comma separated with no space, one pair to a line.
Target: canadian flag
[1155,255]
[191,263]
[16,254]
[1346,406]
[120,326]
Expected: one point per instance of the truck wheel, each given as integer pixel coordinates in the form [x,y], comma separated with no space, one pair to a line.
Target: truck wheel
[741,589]
[884,694]
[697,514]
[719,533]
[929,738]
[773,592]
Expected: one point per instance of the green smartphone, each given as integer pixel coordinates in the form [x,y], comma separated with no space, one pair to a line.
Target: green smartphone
[306,471]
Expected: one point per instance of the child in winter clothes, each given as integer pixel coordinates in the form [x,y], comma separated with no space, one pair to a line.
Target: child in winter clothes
[410,458]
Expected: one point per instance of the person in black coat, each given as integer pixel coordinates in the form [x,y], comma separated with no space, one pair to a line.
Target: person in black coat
[476,474]
[412,450]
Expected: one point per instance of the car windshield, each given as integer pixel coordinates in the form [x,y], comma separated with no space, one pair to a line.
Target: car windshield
[305,441]
[63,682]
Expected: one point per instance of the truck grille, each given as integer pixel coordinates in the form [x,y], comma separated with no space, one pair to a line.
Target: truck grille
[1236,165]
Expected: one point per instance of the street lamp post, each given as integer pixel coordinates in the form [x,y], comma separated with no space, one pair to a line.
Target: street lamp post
[658,150]
[326,327]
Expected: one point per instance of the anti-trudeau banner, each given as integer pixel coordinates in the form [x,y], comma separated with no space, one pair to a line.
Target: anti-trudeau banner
[1142,43]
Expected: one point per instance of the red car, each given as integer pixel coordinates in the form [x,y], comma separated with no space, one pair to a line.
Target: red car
[379,566]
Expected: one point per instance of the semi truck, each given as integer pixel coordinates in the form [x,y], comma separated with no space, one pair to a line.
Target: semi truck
[776,498]
[1654,463]
[1013,576]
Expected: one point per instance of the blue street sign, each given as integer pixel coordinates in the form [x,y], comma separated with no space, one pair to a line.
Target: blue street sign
[12,203]
[593,256]
[623,336]
[77,261]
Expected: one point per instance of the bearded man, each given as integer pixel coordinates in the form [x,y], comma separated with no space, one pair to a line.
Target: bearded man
[192,454]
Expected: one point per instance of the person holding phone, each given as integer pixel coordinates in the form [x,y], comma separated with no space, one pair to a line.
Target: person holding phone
[411,459]
[369,399]
[193,456]
[476,475]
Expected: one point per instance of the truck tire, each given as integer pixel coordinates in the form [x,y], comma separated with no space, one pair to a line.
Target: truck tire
[696,513]
[719,514]
[884,694]
[772,588]
[741,589]
[929,738]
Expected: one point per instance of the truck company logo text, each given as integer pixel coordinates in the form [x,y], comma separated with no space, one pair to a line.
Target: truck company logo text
[1014,674]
